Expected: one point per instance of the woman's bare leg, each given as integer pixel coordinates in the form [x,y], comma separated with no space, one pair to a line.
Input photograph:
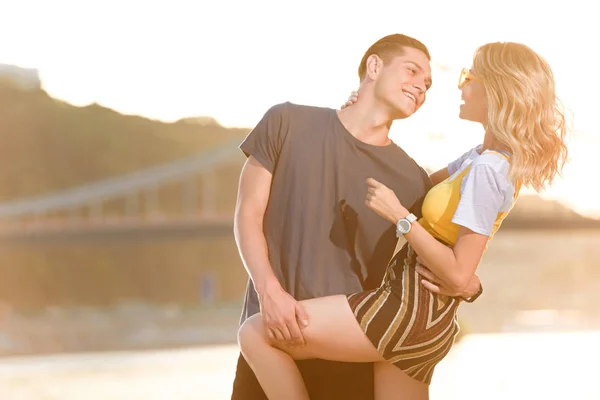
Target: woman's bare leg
[332,334]
[392,383]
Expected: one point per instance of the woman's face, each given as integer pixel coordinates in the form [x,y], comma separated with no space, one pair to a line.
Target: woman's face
[474,106]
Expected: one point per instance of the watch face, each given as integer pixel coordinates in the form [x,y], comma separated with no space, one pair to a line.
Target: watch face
[403,226]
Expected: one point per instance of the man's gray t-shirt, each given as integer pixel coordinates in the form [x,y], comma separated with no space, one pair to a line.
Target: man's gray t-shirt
[321,236]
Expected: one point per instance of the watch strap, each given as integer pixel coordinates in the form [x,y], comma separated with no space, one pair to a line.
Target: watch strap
[475,296]
[411,218]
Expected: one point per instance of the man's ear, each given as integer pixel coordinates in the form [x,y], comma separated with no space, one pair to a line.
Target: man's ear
[374,65]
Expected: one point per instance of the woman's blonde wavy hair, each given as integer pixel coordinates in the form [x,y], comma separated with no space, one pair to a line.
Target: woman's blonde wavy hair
[524,113]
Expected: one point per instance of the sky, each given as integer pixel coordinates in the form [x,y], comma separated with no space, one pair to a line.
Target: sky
[232,60]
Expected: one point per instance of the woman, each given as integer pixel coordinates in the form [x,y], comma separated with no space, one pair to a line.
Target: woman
[402,327]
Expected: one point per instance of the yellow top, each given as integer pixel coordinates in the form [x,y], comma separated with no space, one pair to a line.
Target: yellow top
[440,205]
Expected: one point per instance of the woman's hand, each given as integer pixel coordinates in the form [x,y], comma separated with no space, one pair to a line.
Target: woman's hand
[384,202]
[353,98]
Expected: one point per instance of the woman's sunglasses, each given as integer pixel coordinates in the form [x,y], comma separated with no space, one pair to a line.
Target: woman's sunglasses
[465,76]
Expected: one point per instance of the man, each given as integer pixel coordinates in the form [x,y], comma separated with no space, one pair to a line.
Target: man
[301,223]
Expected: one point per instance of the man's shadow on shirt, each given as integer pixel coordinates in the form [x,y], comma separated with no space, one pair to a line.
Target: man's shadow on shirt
[343,234]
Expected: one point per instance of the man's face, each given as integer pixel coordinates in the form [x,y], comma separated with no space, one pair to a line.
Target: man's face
[403,82]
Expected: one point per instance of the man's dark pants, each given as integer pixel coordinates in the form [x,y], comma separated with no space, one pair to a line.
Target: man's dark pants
[325,380]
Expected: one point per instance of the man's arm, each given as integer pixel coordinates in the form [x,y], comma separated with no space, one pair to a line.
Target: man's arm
[432,283]
[439,176]
[442,174]
[279,309]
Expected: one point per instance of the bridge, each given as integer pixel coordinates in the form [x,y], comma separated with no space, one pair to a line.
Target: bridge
[129,206]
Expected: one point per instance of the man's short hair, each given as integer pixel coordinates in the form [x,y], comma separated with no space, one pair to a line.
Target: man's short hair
[388,47]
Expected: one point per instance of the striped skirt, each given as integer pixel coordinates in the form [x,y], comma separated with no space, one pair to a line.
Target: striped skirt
[410,326]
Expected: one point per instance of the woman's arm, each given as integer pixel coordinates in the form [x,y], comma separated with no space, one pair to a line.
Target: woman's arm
[453,266]
[434,284]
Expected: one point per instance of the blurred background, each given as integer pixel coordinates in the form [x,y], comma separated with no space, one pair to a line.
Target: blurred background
[119,127]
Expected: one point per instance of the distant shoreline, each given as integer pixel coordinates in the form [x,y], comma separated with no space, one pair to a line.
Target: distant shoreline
[550,224]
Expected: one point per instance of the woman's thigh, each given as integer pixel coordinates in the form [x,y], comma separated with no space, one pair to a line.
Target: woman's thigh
[393,383]
[333,333]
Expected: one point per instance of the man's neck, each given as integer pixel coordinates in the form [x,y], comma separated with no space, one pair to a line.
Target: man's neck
[367,123]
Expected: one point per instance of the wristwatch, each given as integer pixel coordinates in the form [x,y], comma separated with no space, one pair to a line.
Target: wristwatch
[475,296]
[403,225]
